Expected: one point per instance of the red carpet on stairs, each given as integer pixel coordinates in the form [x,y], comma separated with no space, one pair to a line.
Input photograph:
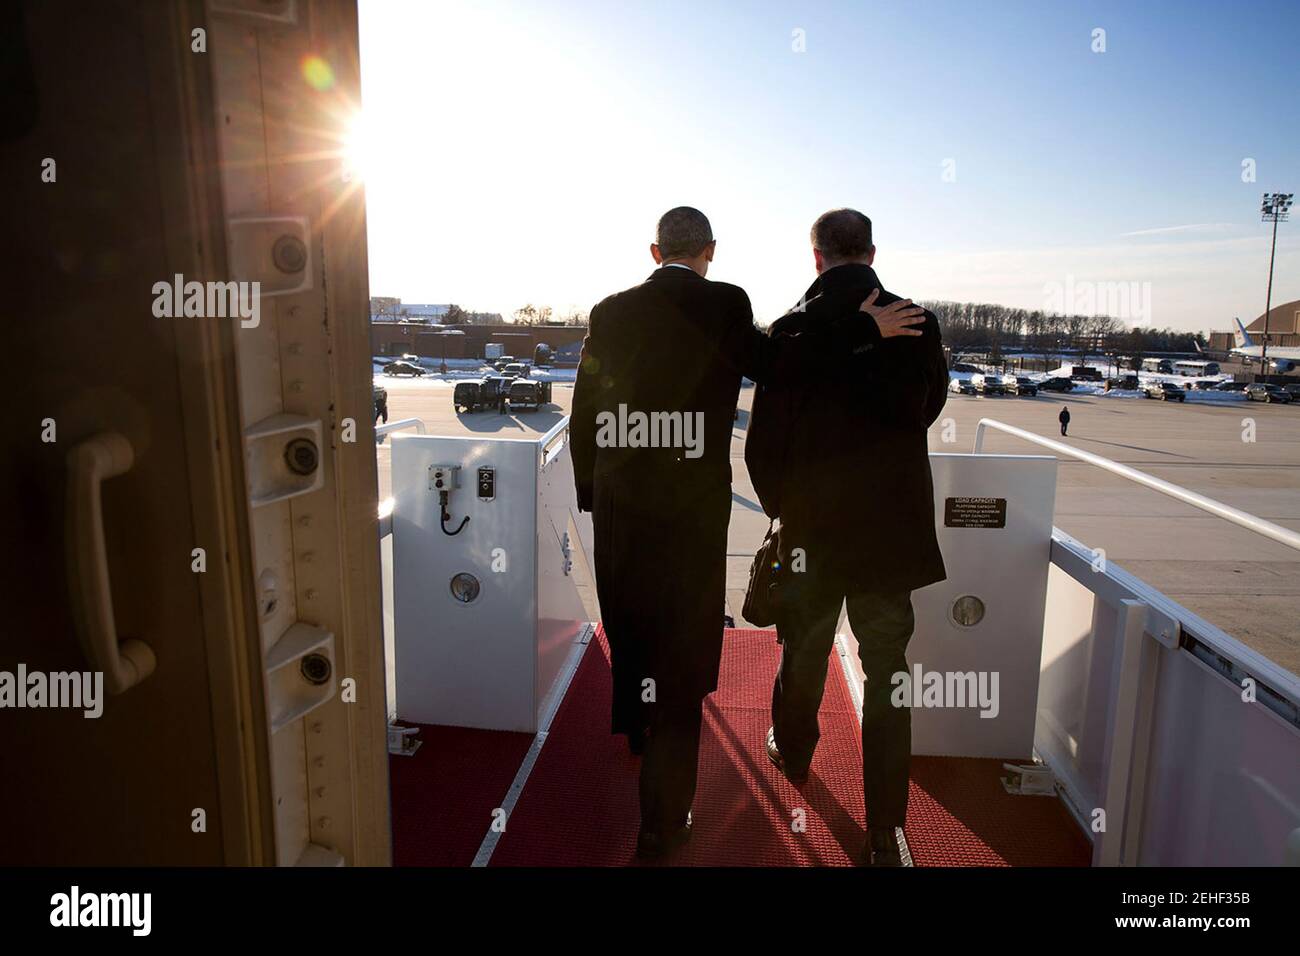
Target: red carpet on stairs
[579,807]
[444,795]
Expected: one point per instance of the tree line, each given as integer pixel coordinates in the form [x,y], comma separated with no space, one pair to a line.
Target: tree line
[992,328]
[528,314]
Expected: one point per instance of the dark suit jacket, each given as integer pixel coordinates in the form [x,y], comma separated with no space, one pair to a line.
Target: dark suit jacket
[679,342]
[843,460]
[676,343]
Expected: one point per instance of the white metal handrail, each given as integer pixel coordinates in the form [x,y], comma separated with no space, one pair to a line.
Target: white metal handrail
[553,442]
[416,423]
[1238,517]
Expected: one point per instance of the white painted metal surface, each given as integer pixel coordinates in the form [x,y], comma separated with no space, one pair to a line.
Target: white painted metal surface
[1176,745]
[1006,568]
[389,427]
[488,663]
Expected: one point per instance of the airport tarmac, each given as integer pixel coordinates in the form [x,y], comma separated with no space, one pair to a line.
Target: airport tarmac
[1244,583]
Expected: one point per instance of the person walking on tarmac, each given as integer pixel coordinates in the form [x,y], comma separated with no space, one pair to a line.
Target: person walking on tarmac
[1064,419]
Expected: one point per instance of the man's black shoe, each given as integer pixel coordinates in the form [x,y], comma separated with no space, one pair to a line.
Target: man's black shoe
[886,846]
[792,774]
[651,844]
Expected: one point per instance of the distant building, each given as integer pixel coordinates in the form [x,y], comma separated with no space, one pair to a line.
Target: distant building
[1283,328]
[388,309]
[432,341]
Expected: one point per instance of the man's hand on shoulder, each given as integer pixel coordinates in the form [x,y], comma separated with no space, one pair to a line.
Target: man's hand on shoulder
[896,319]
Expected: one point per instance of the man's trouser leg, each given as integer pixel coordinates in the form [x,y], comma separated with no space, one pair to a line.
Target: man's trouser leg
[622,614]
[672,754]
[883,625]
[806,624]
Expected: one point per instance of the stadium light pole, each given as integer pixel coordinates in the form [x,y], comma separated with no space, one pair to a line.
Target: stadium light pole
[1275,208]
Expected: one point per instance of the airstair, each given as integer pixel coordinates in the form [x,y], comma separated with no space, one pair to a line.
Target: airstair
[1064,712]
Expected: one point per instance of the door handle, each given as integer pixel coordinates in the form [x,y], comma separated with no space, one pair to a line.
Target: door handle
[123,664]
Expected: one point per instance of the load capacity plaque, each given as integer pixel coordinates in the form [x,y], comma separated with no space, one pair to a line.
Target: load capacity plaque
[975,512]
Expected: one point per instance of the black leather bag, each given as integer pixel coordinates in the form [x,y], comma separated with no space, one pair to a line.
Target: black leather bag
[764,576]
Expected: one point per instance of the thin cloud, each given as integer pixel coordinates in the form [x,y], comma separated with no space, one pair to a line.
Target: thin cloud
[1191,227]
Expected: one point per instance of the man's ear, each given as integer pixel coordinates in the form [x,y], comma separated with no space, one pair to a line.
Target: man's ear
[818,262]
[708,250]
[655,254]
[871,256]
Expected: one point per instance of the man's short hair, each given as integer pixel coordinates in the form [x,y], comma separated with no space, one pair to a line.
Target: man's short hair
[682,233]
[842,235]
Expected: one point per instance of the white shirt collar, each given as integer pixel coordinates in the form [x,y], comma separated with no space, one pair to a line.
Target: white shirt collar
[676,265]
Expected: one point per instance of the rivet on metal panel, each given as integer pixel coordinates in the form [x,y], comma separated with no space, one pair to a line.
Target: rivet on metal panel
[318,763]
[305,520]
[317,726]
[324,823]
[308,557]
[311,594]
[295,385]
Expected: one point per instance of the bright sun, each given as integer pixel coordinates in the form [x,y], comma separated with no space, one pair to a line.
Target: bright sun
[359,148]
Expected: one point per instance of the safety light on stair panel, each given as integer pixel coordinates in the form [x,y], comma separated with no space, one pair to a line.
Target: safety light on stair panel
[464,587]
[967,610]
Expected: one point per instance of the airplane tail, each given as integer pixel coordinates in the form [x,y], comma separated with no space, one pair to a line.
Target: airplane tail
[1241,337]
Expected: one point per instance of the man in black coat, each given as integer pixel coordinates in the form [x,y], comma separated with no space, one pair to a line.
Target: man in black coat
[843,462]
[653,409]
[1064,419]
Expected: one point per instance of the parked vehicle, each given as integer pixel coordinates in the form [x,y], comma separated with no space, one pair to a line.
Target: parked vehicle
[1166,392]
[1205,386]
[1233,386]
[1293,390]
[965,367]
[988,384]
[962,387]
[529,395]
[501,361]
[1086,373]
[1020,385]
[475,394]
[515,370]
[1163,366]
[1056,384]
[1260,392]
[400,367]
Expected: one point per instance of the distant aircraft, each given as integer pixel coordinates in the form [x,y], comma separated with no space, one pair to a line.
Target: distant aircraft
[1282,359]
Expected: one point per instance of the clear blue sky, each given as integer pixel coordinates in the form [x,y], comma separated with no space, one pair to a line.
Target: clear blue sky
[521,151]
